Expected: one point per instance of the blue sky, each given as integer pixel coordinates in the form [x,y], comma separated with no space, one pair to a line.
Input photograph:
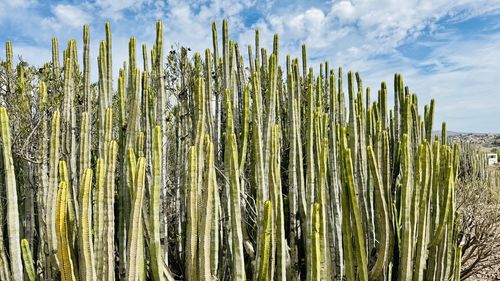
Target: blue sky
[447,50]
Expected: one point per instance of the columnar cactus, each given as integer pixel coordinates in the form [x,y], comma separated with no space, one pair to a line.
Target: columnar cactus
[28,260]
[134,270]
[216,173]
[65,262]
[109,217]
[154,214]
[16,265]
[85,245]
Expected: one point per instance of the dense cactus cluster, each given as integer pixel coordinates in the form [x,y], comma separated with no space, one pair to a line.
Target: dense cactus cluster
[265,172]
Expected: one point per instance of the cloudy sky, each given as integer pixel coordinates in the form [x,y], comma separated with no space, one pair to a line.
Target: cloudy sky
[446,49]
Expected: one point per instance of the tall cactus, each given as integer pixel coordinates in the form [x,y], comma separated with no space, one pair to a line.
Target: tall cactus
[85,245]
[109,218]
[331,184]
[382,219]
[351,208]
[65,262]
[13,229]
[154,214]
[278,212]
[28,260]
[264,273]
[192,217]
[238,263]
[134,270]
[206,223]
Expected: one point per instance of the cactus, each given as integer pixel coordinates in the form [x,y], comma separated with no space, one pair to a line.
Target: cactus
[85,245]
[265,246]
[156,258]
[382,219]
[134,270]
[278,234]
[16,265]
[235,205]
[406,239]
[316,243]
[204,243]
[28,260]
[316,182]
[99,215]
[65,262]
[192,220]
[351,208]
[109,220]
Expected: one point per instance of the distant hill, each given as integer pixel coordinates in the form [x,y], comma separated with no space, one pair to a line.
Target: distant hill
[455,134]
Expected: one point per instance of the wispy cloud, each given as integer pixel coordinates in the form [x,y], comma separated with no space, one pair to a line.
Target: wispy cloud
[67,15]
[445,49]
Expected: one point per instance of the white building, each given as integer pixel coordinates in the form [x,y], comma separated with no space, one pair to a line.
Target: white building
[492,158]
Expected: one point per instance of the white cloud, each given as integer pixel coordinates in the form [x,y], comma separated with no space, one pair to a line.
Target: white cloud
[65,16]
[113,9]
[17,3]
[344,10]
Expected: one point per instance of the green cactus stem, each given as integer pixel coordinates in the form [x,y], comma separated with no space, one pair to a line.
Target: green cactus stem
[85,245]
[16,265]
[28,260]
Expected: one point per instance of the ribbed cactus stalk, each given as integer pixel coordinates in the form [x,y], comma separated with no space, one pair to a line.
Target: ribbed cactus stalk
[350,209]
[65,177]
[238,262]
[28,260]
[134,269]
[102,97]
[85,245]
[192,217]
[161,120]
[109,217]
[65,262]
[206,222]
[458,262]
[293,180]
[154,212]
[109,63]
[423,184]
[55,58]
[68,136]
[87,97]
[52,193]
[16,265]
[406,245]
[123,188]
[266,229]
[334,175]
[310,179]
[316,243]
[99,215]
[278,213]
[134,110]
[8,70]
[381,219]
